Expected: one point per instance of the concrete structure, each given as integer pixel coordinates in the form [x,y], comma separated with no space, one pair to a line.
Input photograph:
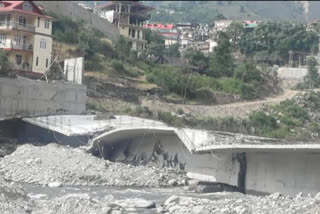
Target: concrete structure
[289,77]
[77,13]
[168,31]
[25,32]
[73,70]
[251,164]
[25,97]
[129,17]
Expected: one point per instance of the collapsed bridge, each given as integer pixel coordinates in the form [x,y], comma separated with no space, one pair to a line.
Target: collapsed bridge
[251,164]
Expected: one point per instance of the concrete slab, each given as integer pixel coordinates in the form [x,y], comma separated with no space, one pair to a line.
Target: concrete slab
[70,125]
[76,125]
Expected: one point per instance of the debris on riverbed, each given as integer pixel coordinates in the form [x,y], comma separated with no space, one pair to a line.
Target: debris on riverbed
[237,203]
[55,165]
[13,199]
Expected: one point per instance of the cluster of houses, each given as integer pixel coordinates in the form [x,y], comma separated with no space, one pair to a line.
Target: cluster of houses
[192,35]
[26,31]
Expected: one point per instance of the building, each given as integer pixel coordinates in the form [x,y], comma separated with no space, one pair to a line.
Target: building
[129,16]
[222,25]
[250,24]
[168,31]
[25,32]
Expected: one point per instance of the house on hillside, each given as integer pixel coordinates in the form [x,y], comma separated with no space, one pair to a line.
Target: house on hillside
[130,17]
[168,31]
[250,24]
[25,33]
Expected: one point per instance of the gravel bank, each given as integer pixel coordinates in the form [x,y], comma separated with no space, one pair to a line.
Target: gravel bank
[56,165]
[243,204]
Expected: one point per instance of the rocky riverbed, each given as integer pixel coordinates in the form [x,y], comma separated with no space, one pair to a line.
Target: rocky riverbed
[57,179]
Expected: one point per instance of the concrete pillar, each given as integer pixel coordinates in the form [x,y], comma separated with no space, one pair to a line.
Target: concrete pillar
[120,8]
[129,11]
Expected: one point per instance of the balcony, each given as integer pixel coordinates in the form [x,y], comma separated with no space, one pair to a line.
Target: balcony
[25,47]
[22,47]
[17,26]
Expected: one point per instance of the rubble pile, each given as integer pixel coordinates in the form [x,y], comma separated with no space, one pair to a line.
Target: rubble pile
[242,204]
[55,165]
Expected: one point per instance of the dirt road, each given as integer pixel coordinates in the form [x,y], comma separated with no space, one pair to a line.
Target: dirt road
[239,109]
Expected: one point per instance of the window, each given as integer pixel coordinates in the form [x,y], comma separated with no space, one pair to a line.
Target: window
[47,24]
[38,21]
[27,6]
[138,34]
[17,39]
[18,59]
[133,32]
[43,43]
[37,61]
[47,62]
[22,20]
[3,39]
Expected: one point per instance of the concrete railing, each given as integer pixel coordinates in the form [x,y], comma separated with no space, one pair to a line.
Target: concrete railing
[17,26]
[24,47]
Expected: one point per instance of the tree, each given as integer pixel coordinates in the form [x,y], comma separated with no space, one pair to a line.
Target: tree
[5,65]
[122,47]
[312,78]
[196,59]
[221,62]
[173,51]
[235,31]
[247,72]
[270,42]
[155,44]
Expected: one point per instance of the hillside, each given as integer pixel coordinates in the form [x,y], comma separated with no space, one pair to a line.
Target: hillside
[205,11]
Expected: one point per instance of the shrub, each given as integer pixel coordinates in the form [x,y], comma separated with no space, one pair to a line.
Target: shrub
[205,95]
[247,72]
[118,67]
[262,122]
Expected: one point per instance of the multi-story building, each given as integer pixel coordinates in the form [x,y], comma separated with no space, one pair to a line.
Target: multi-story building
[25,32]
[168,31]
[130,17]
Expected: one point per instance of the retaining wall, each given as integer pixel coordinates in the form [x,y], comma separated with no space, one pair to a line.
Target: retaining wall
[25,97]
[289,77]
[76,12]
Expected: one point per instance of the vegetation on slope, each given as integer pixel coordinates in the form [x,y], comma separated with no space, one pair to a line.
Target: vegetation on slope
[206,11]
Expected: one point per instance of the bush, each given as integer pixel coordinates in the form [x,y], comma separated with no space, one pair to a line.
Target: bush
[247,72]
[118,67]
[94,64]
[262,122]
[292,110]
[205,95]
[169,119]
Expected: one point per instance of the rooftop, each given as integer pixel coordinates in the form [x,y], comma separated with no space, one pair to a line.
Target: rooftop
[10,6]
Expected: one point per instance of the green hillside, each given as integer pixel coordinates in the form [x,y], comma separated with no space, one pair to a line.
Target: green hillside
[206,11]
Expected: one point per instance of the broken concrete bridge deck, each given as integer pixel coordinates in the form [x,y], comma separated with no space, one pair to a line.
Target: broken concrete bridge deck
[248,162]
[120,127]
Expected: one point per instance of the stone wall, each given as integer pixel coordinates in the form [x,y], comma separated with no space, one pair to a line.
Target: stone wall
[289,77]
[25,97]
[76,12]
